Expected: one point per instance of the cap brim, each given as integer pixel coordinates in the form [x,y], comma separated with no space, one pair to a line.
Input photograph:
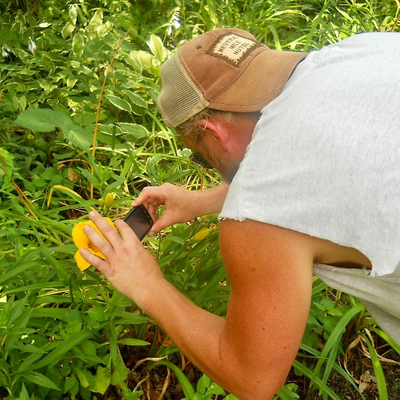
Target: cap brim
[252,91]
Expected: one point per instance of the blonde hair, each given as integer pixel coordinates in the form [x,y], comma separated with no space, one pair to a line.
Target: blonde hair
[191,126]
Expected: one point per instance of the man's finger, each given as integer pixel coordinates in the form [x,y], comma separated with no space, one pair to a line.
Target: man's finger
[93,260]
[126,232]
[101,244]
[144,195]
[109,232]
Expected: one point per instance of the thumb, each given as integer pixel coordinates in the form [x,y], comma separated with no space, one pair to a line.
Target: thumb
[161,223]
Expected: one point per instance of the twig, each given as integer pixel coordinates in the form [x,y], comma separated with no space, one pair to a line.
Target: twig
[100,101]
[166,384]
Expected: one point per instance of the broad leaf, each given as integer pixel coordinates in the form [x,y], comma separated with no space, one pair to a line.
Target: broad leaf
[47,120]
[137,131]
[102,380]
[119,103]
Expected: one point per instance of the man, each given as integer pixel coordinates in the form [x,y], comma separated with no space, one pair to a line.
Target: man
[309,149]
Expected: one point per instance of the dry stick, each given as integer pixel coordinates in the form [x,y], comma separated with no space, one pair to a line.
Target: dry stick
[139,384]
[166,384]
[99,103]
[148,389]
[381,358]
[395,23]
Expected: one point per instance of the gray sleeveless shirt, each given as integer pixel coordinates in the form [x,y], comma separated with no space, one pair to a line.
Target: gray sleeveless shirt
[324,160]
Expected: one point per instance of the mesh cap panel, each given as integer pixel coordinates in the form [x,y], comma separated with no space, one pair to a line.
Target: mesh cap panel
[179,99]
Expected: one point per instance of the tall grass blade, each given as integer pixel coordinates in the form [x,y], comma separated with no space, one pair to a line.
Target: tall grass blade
[387,339]
[187,387]
[310,374]
[379,374]
[336,336]
[336,367]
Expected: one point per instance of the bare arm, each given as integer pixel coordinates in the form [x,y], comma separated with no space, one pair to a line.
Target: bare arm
[182,205]
[249,353]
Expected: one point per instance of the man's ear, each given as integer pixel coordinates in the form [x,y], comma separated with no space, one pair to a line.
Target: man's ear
[218,129]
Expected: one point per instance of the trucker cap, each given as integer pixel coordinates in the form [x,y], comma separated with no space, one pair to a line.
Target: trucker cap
[224,69]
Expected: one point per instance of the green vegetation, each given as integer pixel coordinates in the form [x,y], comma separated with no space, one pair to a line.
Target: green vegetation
[78,83]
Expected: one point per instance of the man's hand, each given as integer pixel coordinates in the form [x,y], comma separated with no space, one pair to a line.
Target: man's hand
[182,205]
[128,266]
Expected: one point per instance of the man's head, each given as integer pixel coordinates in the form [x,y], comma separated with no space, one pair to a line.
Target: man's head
[214,87]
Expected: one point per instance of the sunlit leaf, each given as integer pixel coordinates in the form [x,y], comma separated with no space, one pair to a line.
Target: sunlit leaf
[134,130]
[157,47]
[135,99]
[67,30]
[78,44]
[119,103]
[133,342]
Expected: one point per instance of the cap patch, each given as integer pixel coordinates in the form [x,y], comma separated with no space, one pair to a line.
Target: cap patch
[232,48]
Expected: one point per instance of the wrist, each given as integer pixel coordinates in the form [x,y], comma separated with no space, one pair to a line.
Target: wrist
[212,200]
[157,297]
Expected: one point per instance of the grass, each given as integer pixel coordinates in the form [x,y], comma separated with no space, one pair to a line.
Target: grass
[78,122]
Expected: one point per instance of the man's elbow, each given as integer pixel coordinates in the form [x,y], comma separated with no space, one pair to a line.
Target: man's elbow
[253,386]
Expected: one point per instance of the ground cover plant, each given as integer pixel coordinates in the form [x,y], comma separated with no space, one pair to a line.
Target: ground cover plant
[79,130]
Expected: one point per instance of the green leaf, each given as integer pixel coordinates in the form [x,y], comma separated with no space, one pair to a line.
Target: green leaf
[23,395]
[125,317]
[157,48]
[120,371]
[133,342]
[135,99]
[387,338]
[40,120]
[71,384]
[140,58]
[41,380]
[72,12]
[83,380]
[3,380]
[379,374]
[17,270]
[102,380]
[119,103]
[203,384]
[89,348]
[76,135]
[47,120]
[98,314]
[137,131]
[78,45]
[96,21]
[335,336]
[310,374]
[67,30]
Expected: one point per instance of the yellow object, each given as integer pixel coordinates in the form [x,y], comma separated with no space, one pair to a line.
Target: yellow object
[83,242]
[109,200]
[201,235]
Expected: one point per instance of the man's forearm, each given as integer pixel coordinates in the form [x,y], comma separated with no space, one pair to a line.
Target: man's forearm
[213,199]
[202,337]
